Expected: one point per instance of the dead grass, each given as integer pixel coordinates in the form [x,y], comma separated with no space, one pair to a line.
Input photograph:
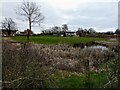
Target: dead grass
[28,59]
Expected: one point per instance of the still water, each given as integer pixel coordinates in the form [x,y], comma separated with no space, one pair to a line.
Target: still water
[98,46]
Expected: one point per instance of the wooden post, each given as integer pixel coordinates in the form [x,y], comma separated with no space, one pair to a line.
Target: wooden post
[28,34]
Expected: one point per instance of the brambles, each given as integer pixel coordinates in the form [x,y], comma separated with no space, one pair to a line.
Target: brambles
[29,64]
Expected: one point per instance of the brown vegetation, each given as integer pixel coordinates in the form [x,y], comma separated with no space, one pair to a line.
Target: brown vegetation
[59,56]
[37,61]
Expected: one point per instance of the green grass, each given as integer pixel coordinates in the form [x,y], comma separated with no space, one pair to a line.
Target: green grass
[73,82]
[79,81]
[56,40]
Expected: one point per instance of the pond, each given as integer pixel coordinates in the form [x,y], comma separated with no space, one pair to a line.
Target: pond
[91,45]
[97,46]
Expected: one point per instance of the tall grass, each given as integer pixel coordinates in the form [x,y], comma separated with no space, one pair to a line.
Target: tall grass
[31,65]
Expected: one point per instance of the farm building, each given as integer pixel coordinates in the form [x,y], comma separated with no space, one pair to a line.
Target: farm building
[70,33]
[25,32]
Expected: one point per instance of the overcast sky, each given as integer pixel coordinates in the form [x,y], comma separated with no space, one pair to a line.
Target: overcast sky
[98,14]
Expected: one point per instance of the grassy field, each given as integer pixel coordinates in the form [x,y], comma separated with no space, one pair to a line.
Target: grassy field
[56,40]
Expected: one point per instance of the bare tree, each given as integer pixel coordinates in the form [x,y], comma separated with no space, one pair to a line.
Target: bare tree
[117,31]
[65,28]
[91,30]
[80,31]
[8,24]
[31,12]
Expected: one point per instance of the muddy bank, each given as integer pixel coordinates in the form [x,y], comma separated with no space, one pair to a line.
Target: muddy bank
[82,45]
[107,44]
[113,46]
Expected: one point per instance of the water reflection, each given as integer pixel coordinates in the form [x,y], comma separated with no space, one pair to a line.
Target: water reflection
[98,46]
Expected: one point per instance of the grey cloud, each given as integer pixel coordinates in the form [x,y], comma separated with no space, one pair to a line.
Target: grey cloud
[92,14]
[96,14]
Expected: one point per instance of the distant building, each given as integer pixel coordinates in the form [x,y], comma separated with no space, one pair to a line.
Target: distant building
[25,32]
[70,33]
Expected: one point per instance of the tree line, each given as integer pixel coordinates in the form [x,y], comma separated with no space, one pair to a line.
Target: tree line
[30,12]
